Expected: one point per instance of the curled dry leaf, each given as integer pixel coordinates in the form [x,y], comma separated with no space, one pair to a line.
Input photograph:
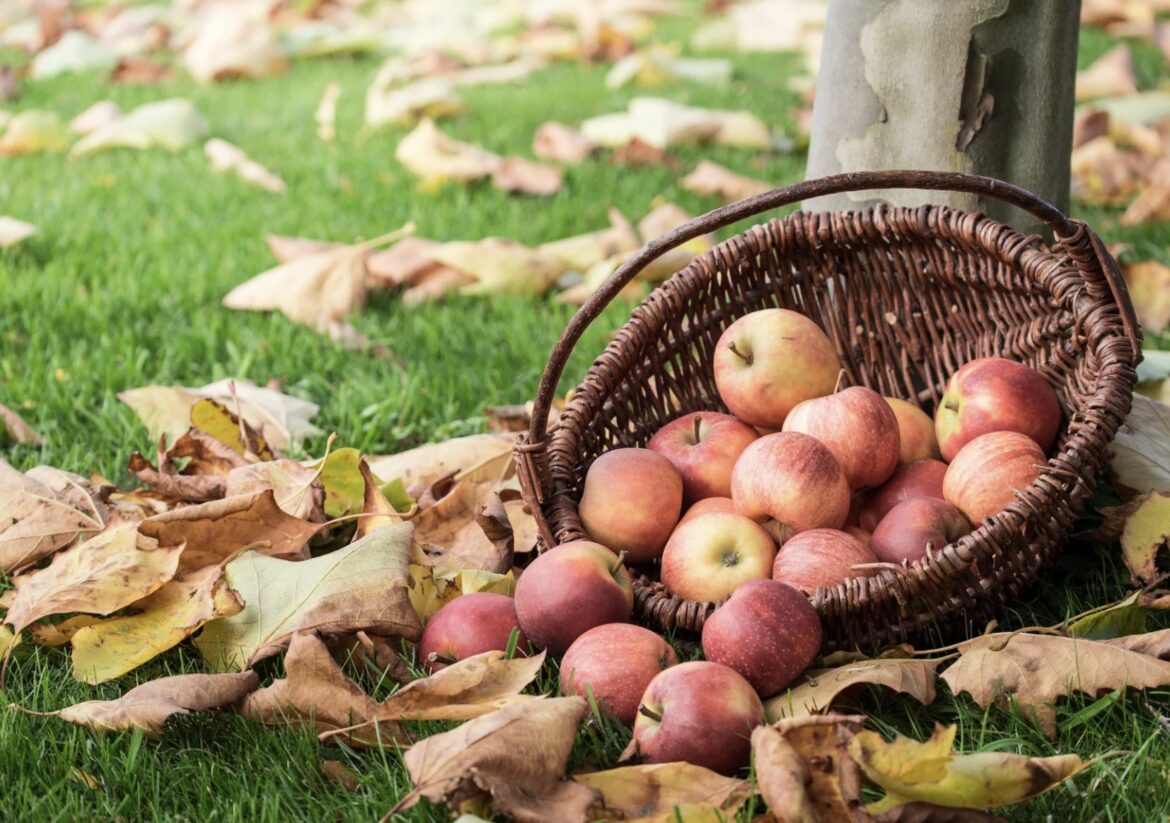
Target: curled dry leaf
[8,641]
[433,156]
[362,587]
[33,131]
[583,251]
[326,114]
[500,266]
[930,772]
[149,706]
[1141,449]
[474,454]
[466,529]
[431,588]
[525,176]
[206,455]
[58,634]
[432,98]
[820,689]
[233,39]
[665,792]
[226,157]
[169,124]
[1147,528]
[1110,75]
[1152,644]
[407,262]
[377,511]
[12,425]
[711,178]
[13,231]
[110,648]
[105,573]
[1153,203]
[467,688]
[562,144]
[833,788]
[174,486]
[294,486]
[517,755]
[781,776]
[662,123]
[1149,288]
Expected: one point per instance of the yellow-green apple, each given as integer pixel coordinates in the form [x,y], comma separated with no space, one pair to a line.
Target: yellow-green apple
[915,528]
[767,631]
[468,625]
[708,557]
[768,361]
[703,446]
[792,478]
[631,502]
[708,505]
[994,394]
[916,431]
[860,533]
[700,712]
[986,473]
[821,557]
[615,662]
[859,428]
[570,589]
[922,478]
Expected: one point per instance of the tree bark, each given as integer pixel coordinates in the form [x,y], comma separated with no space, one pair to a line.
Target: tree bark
[980,86]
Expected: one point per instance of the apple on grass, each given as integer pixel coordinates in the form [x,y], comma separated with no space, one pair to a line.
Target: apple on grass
[994,394]
[615,662]
[703,446]
[859,428]
[792,478]
[768,361]
[767,631]
[987,472]
[699,712]
[631,502]
[821,557]
[570,589]
[708,557]
[922,478]
[915,527]
[916,432]
[469,625]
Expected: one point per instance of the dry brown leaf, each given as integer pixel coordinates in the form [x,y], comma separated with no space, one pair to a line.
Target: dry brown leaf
[664,217]
[378,652]
[517,755]
[149,706]
[781,777]
[1036,670]
[217,530]
[500,266]
[562,144]
[467,529]
[13,231]
[638,153]
[711,178]
[233,39]
[1141,448]
[1144,536]
[377,511]
[1089,124]
[1104,174]
[164,480]
[821,741]
[473,454]
[437,282]
[227,157]
[12,425]
[583,251]
[819,689]
[435,157]
[526,177]
[407,262]
[432,98]
[285,248]
[1154,201]
[525,532]
[294,486]
[665,792]
[105,573]
[468,688]
[1152,644]
[341,775]
[140,71]
[1110,75]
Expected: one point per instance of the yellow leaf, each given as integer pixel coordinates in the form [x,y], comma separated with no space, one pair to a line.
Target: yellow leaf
[58,634]
[35,521]
[376,508]
[1149,289]
[214,418]
[341,479]
[500,266]
[472,456]
[1146,531]
[169,124]
[666,792]
[8,640]
[227,157]
[433,156]
[803,769]
[477,580]
[34,130]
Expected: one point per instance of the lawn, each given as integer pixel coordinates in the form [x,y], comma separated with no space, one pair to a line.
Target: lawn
[122,288]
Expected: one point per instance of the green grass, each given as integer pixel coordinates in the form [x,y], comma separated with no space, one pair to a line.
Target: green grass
[122,287]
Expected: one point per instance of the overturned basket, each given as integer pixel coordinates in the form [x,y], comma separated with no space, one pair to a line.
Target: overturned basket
[907,296]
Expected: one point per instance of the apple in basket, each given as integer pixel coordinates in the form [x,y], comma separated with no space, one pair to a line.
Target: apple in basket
[703,446]
[631,502]
[916,526]
[922,478]
[986,473]
[709,556]
[821,557]
[708,505]
[615,663]
[792,478]
[768,361]
[916,431]
[859,428]
[468,625]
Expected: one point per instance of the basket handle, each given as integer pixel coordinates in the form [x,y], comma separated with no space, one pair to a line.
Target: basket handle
[1051,216]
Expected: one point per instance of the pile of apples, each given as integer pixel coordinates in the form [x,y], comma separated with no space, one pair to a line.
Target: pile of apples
[803,486]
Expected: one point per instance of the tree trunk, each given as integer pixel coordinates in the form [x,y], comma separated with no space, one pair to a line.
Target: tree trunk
[980,86]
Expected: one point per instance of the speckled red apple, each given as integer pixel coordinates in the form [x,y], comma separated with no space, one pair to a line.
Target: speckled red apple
[986,473]
[821,557]
[923,478]
[703,447]
[916,526]
[792,478]
[859,428]
[915,432]
[631,502]
[615,662]
[708,557]
[468,625]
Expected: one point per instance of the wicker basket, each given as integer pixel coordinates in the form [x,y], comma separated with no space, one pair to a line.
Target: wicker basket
[907,296]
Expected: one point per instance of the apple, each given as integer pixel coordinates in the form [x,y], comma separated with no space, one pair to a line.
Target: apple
[860,429]
[860,533]
[703,446]
[767,631]
[708,505]
[792,478]
[768,361]
[986,473]
[916,431]
[468,625]
[708,557]
[700,712]
[915,527]
[821,557]
[631,502]
[570,589]
[616,662]
[993,394]
[923,478]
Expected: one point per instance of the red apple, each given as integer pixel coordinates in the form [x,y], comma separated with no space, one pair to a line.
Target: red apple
[986,473]
[915,527]
[821,557]
[700,712]
[859,533]
[631,502]
[768,361]
[860,429]
[923,478]
[703,446]
[570,589]
[792,478]
[468,625]
[708,557]
[616,662]
[767,631]
[993,394]
[708,505]
[916,431]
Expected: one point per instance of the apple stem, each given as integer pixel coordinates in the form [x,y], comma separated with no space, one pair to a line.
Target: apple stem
[445,659]
[620,560]
[746,358]
[648,712]
[698,422]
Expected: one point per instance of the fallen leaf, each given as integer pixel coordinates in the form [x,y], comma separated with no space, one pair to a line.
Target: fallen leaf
[12,425]
[1036,670]
[508,73]
[360,587]
[1141,448]
[167,483]
[929,813]
[234,39]
[1103,174]
[833,789]
[781,776]
[463,456]
[293,486]
[500,266]
[226,157]
[407,262]
[1145,534]
[516,754]
[524,176]
[105,573]
[75,53]
[665,792]
[33,131]
[97,116]
[1111,74]
[434,157]
[326,114]
[819,689]
[286,248]
[663,123]
[378,652]
[35,522]
[431,98]
[8,641]
[1149,288]
[339,473]
[1152,644]
[377,510]
[140,71]
[204,454]
[466,529]
[110,648]
[657,66]
[340,774]
[638,153]
[58,634]
[1152,204]
[468,688]
[435,284]
[561,143]
[1089,124]
[149,706]
[1128,616]
[930,772]
[170,124]
[581,252]
[525,532]
[711,178]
